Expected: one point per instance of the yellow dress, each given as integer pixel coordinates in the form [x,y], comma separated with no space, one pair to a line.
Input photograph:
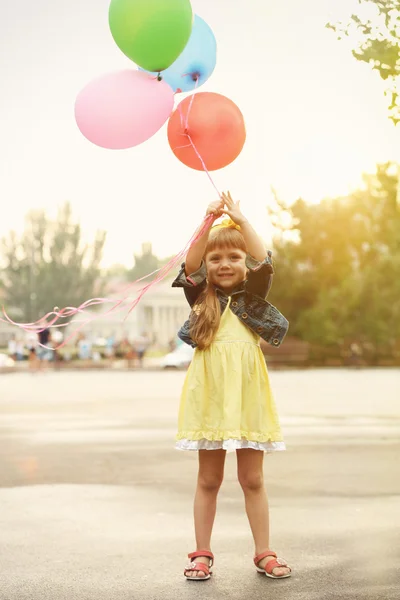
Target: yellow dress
[226,400]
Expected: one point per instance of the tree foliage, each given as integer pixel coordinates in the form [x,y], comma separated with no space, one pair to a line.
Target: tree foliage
[338,271]
[146,263]
[48,265]
[378,44]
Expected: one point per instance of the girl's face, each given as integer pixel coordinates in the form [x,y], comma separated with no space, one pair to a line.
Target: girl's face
[226,267]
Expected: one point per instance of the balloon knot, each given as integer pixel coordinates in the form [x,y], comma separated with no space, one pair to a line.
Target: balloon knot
[195,76]
[159,78]
[186,131]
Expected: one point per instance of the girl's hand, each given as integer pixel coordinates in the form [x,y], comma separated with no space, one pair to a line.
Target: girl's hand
[215,208]
[233,209]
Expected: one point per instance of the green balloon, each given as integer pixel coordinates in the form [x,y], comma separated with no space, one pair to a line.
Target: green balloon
[152,33]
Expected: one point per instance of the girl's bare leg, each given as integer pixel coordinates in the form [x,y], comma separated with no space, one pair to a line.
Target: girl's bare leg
[210,477]
[251,479]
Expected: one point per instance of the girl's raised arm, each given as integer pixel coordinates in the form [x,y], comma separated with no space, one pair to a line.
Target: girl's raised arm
[254,244]
[196,250]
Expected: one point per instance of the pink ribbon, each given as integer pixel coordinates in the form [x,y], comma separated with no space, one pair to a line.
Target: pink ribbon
[50,319]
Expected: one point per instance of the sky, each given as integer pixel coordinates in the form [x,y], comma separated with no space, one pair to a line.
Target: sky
[316,119]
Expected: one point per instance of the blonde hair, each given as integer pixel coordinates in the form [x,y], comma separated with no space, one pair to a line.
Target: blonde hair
[206,314]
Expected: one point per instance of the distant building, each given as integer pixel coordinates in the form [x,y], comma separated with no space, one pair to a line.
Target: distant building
[160,313]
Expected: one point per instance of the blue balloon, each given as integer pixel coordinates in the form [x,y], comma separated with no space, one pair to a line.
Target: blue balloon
[197,61]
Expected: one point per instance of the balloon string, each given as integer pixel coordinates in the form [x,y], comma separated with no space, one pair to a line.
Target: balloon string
[190,106]
[43,323]
[204,166]
[189,137]
[185,146]
[67,312]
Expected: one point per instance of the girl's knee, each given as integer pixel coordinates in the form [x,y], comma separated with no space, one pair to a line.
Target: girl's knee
[211,482]
[251,482]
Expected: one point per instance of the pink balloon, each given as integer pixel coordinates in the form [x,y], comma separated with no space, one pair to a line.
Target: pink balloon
[123,109]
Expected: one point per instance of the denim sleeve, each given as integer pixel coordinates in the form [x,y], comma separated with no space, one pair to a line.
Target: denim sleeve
[192,284]
[259,278]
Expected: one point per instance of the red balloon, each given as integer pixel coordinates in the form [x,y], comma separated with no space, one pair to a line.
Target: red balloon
[215,126]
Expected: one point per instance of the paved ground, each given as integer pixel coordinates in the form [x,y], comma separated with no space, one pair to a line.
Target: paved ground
[95,503]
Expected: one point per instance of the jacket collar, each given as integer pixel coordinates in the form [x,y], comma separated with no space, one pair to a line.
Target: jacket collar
[236,290]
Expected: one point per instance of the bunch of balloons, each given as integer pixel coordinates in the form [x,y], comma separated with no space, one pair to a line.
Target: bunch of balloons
[175,52]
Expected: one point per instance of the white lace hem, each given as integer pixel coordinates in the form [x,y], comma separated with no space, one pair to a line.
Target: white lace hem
[229,445]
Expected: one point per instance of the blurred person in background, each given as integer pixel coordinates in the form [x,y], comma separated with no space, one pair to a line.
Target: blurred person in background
[31,345]
[141,345]
[12,348]
[43,352]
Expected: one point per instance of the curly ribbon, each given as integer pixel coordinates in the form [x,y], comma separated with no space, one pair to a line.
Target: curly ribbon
[50,319]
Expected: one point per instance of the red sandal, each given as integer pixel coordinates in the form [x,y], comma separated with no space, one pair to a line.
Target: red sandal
[199,566]
[271,565]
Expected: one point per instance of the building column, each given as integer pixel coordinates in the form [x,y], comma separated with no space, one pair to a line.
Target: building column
[171,325]
[156,323]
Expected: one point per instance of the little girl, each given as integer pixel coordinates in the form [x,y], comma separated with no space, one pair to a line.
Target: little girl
[226,401]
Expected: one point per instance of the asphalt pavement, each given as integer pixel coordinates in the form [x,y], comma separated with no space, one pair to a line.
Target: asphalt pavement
[96,504]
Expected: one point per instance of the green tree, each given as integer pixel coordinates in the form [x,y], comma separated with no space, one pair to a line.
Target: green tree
[48,265]
[117,270]
[378,44]
[338,264]
[146,263]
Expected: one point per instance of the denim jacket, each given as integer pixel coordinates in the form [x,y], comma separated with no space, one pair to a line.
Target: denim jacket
[247,300]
